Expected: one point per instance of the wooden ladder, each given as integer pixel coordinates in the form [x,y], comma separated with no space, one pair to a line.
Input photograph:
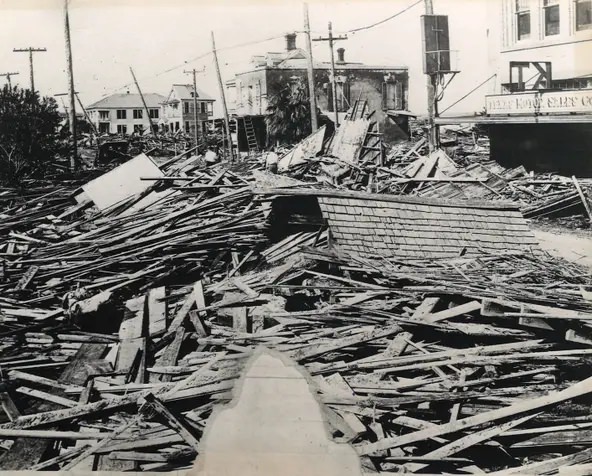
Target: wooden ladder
[250,132]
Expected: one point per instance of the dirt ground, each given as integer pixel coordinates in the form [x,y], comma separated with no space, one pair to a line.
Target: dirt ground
[573,245]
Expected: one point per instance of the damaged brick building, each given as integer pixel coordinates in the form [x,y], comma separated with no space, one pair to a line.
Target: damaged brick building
[384,87]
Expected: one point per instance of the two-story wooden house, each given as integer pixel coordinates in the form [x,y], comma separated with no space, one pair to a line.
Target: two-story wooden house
[125,113]
[178,110]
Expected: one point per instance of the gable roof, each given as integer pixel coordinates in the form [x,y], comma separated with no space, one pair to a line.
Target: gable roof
[402,226]
[424,228]
[184,92]
[128,101]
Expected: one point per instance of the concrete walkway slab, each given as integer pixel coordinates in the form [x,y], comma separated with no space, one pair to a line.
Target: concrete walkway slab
[274,426]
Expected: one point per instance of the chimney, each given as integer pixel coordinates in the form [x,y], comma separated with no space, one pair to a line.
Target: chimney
[341,55]
[290,41]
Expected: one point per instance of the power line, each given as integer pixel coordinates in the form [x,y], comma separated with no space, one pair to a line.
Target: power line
[386,19]
[469,93]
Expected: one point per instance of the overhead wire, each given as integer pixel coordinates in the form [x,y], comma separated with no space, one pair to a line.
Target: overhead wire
[248,43]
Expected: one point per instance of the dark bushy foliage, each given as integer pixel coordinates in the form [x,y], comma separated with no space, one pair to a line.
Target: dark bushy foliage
[28,134]
[288,117]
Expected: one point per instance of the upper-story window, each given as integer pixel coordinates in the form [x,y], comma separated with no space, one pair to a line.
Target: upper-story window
[154,113]
[523,19]
[203,108]
[104,115]
[138,114]
[583,14]
[186,107]
[121,114]
[551,13]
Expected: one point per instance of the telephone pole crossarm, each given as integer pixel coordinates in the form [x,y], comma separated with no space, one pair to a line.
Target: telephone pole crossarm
[30,50]
[332,39]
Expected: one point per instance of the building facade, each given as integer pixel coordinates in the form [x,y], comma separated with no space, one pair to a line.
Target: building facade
[125,113]
[384,87]
[178,110]
[540,110]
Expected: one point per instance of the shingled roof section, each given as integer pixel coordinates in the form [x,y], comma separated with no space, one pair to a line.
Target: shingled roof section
[411,227]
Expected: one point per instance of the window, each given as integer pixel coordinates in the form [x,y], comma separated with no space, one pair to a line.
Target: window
[210,109]
[203,107]
[138,114]
[523,19]
[154,113]
[343,91]
[138,128]
[121,114]
[103,127]
[186,107]
[551,12]
[392,95]
[121,128]
[177,126]
[583,14]
[187,126]
[104,115]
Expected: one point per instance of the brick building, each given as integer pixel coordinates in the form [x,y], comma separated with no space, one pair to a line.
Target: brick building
[384,87]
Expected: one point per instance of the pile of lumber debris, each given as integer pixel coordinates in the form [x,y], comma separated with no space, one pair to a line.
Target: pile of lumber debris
[128,312]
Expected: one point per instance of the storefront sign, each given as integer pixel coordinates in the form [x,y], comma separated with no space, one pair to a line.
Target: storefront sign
[541,102]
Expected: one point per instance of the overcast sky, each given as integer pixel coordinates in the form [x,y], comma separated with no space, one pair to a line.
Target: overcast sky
[161,38]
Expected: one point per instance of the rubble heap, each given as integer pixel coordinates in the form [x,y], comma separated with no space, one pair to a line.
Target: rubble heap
[124,326]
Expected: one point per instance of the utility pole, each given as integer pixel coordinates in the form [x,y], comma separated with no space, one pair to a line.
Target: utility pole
[331,39]
[30,50]
[195,132]
[431,88]
[223,96]
[310,68]
[71,93]
[143,102]
[8,75]
[92,125]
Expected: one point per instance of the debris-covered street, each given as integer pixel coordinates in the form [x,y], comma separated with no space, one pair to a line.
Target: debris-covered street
[339,287]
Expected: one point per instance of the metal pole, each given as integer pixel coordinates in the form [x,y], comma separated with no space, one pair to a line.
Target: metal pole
[71,93]
[431,90]
[223,96]
[310,68]
[334,80]
[143,102]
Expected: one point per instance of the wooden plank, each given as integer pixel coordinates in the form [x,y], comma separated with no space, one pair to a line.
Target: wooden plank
[467,441]
[26,278]
[100,444]
[336,384]
[452,312]
[172,420]
[47,397]
[426,307]
[240,319]
[12,412]
[581,388]
[170,354]
[137,456]
[157,311]
[316,350]
[582,197]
